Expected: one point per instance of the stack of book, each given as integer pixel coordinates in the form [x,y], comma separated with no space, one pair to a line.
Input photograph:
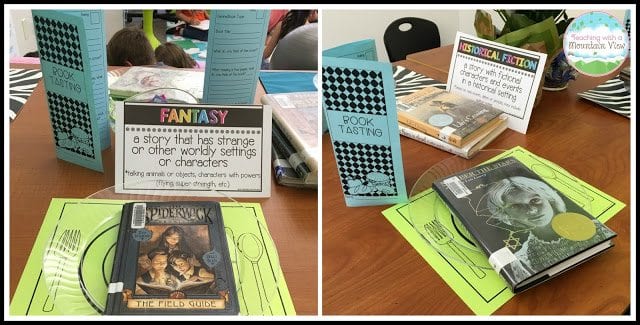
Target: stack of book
[450,122]
[295,138]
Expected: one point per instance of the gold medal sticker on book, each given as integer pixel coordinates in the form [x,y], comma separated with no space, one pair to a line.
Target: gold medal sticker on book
[529,231]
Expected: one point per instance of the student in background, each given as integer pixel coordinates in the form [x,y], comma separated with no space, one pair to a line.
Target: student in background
[292,20]
[128,47]
[273,30]
[192,18]
[173,55]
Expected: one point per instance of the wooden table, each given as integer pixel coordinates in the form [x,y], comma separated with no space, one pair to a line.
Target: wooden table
[37,176]
[370,269]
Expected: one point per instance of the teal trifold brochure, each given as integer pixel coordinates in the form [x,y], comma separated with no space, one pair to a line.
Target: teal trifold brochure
[360,107]
[71,44]
[234,55]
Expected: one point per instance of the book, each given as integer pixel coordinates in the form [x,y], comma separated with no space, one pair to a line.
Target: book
[139,79]
[282,144]
[74,69]
[468,150]
[172,258]
[296,115]
[285,174]
[445,115]
[530,231]
[188,287]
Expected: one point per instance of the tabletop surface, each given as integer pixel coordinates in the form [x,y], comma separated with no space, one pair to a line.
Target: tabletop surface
[370,269]
[36,176]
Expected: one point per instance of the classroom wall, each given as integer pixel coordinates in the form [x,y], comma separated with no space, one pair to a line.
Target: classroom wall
[343,26]
[25,40]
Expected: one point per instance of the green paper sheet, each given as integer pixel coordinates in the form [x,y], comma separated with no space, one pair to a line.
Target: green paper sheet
[465,268]
[79,280]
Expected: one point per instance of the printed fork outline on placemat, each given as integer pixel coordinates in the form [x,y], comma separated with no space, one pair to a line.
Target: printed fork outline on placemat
[66,248]
[442,237]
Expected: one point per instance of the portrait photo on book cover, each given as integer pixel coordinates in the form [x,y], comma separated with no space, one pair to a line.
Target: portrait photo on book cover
[171,263]
[528,229]
[542,227]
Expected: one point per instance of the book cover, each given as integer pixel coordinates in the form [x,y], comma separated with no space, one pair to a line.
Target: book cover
[281,143]
[140,79]
[75,82]
[285,174]
[296,114]
[172,258]
[445,115]
[529,230]
[360,109]
[467,151]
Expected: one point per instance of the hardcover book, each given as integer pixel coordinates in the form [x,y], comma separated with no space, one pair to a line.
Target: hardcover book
[530,231]
[285,174]
[445,115]
[140,79]
[296,114]
[280,141]
[172,258]
[468,150]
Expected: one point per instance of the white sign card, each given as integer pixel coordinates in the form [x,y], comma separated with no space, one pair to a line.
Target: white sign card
[193,150]
[502,76]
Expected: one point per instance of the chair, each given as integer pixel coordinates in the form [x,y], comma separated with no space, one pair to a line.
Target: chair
[422,35]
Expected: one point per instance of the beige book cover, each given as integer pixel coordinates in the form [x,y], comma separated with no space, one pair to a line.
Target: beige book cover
[445,115]
[140,79]
[297,116]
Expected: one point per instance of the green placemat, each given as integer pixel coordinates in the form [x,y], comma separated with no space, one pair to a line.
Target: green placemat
[481,288]
[79,280]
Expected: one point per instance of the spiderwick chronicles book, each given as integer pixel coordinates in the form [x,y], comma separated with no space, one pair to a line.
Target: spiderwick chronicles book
[172,258]
[529,230]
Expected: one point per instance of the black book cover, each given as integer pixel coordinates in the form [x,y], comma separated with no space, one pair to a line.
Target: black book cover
[172,258]
[530,231]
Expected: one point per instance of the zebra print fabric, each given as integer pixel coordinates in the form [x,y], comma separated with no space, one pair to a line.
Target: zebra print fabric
[612,95]
[409,81]
[21,85]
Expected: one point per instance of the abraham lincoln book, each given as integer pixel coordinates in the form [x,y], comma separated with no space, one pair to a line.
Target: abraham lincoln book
[529,230]
[172,258]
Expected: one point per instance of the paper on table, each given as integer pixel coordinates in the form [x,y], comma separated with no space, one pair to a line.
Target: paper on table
[278,82]
[204,25]
[612,95]
[75,80]
[485,294]
[85,288]
[234,55]
[362,50]
[359,105]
